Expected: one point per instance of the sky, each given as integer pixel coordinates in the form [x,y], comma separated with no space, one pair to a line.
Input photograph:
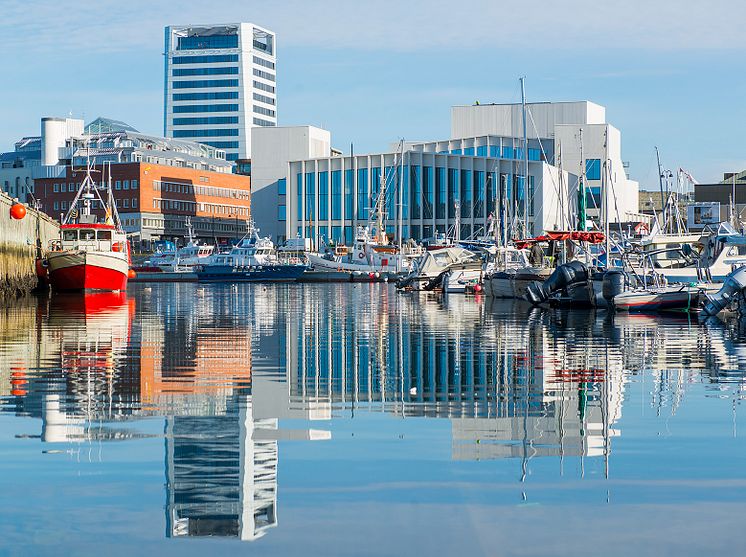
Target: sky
[668,72]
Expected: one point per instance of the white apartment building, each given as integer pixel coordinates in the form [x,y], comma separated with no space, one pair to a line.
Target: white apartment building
[219,83]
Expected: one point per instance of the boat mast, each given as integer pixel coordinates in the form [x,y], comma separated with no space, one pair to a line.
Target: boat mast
[604,189]
[582,199]
[660,183]
[525,158]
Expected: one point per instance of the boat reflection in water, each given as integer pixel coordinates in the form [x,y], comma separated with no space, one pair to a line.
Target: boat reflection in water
[223,366]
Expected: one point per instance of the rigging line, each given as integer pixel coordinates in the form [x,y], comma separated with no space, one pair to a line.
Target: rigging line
[543,152]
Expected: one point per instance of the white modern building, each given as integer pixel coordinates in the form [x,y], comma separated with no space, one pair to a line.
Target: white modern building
[479,176]
[220,82]
[578,138]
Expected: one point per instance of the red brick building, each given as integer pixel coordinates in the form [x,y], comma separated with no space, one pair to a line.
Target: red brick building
[155,201]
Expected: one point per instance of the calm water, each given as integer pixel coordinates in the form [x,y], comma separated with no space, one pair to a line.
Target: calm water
[355,420]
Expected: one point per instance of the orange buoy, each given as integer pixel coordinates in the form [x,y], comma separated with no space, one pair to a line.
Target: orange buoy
[17,211]
[131,274]
[116,246]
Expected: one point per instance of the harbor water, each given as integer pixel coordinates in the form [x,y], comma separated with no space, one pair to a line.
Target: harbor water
[352,419]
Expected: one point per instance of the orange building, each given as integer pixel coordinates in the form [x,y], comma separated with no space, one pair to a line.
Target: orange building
[155,201]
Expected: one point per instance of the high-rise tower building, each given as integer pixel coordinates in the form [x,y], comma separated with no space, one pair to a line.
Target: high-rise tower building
[219,83]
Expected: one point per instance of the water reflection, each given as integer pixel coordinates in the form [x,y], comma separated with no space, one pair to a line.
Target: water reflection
[223,367]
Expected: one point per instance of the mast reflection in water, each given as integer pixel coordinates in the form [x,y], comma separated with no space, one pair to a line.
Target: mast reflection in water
[223,367]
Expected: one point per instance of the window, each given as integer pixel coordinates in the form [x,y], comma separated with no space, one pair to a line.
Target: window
[134,184]
[427,191]
[70,187]
[56,187]
[218,132]
[415,191]
[336,195]
[211,59]
[362,193]
[440,193]
[478,193]
[211,96]
[281,212]
[323,195]
[264,86]
[70,235]
[466,190]
[206,121]
[224,70]
[264,99]
[205,83]
[208,42]
[126,185]
[263,62]
[281,186]
[64,205]
[452,192]
[134,202]
[126,203]
[103,234]
[264,75]
[593,169]
[205,108]
[260,122]
[56,205]
[265,111]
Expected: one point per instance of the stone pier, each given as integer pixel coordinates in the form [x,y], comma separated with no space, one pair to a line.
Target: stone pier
[18,248]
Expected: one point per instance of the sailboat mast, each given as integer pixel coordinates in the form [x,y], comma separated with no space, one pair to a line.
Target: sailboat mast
[525,158]
[660,183]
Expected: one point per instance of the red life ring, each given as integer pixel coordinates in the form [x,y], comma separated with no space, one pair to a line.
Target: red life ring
[116,246]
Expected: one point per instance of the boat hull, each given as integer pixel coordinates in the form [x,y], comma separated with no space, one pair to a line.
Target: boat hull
[84,270]
[684,299]
[260,273]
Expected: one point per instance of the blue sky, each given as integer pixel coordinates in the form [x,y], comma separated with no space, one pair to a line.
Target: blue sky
[669,73]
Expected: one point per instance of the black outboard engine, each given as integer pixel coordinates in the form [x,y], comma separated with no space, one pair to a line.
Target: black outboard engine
[566,274]
[613,283]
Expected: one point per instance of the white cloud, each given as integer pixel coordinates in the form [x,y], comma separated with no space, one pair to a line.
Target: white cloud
[388,25]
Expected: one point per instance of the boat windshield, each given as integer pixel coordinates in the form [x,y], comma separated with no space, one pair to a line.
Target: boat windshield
[87,234]
[69,235]
[104,234]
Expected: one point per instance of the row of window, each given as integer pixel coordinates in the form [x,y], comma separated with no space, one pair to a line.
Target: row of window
[220,70]
[207,59]
[205,83]
[260,122]
[261,110]
[72,186]
[219,132]
[263,86]
[207,42]
[263,62]
[494,151]
[264,75]
[211,96]
[435,193]
[222,144]
[264,99]
[181,109]
[205,120]
[193,207]
[125,203]
[191,189]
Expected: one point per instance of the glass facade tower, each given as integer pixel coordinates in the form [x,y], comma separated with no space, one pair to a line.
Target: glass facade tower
[219,82]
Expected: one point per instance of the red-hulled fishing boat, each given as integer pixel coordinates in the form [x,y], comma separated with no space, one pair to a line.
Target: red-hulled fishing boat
[90,255]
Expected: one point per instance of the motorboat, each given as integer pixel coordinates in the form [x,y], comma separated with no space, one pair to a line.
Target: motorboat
[434,264]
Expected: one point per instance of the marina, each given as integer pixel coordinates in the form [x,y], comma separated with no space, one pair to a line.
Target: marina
[404,281]
[285,416]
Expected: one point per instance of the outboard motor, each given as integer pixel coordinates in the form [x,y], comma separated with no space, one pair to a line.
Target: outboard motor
[566,274]
[613,284]
[734,284]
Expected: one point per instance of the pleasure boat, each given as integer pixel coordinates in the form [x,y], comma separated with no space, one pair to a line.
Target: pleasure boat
[369,254]
[89,255]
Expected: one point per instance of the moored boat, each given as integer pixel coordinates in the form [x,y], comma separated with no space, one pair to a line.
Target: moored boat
[89,255]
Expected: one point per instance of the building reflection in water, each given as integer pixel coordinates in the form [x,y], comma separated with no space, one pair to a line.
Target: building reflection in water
[223,366]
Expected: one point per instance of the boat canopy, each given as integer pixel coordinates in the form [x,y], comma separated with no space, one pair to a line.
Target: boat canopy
[594,237]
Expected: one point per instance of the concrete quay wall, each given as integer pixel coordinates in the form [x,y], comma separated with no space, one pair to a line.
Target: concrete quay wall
[18,248]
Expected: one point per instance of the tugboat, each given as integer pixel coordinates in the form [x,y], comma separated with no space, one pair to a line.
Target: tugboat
[89,255]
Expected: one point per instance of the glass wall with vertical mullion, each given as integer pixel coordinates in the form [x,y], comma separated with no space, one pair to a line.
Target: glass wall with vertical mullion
[441,193]
[415,174]
[362,194]
[452,192]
